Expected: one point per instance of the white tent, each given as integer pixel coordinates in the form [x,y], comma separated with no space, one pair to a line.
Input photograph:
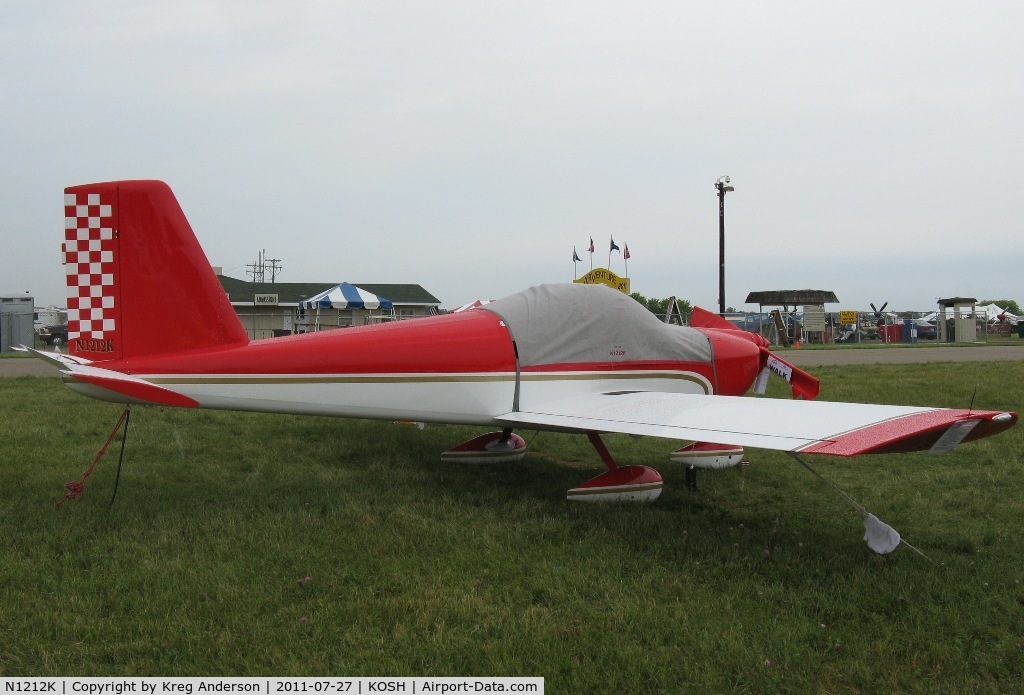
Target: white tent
[472,305]
[993,313]
[990,312]
[346,296]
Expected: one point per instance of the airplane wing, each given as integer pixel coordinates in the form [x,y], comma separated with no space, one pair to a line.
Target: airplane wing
[814,427]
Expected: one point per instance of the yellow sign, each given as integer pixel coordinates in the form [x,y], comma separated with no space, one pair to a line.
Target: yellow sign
[848,318]
[603,276]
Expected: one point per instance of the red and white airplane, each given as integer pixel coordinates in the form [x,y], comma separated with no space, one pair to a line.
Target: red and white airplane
[573,358]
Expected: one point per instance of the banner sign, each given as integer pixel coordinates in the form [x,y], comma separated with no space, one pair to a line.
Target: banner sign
[603,276]
[780,368]
[814,318]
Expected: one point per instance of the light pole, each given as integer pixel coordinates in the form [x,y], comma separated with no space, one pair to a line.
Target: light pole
[722,184]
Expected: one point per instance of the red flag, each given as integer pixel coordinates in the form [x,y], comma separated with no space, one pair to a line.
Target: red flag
[591,249]
[625,254]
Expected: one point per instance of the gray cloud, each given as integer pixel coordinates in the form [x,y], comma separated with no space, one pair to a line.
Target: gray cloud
[469,146]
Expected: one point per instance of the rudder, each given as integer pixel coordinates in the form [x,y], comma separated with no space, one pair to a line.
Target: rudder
[138,281]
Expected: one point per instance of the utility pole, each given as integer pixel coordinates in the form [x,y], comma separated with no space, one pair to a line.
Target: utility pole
[255,271]
[722,185]
[274,266]
[258,270]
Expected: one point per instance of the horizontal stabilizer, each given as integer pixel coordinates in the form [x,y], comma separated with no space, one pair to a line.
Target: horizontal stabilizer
[137,390]
[58,359]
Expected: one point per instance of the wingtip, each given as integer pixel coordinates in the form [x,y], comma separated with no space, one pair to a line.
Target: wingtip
[938,430]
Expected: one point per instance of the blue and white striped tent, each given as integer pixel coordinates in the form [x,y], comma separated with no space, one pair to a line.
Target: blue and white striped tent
[346,296]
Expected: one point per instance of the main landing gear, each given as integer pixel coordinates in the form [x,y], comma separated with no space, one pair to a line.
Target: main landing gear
[493,447]
[628,483]
[705,455]
[625,483]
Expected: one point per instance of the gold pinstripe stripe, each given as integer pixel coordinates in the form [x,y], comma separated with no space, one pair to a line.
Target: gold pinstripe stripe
[418,378]
[310,379]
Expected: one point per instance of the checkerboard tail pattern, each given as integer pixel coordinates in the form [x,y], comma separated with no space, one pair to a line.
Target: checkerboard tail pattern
[90,251]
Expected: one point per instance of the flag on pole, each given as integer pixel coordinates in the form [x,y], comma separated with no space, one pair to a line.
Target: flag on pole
[591,249]
[625,254]
[613,247]
[575,256]
[625,257]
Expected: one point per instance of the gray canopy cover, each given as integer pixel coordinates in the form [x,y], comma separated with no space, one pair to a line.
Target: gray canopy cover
[562,324]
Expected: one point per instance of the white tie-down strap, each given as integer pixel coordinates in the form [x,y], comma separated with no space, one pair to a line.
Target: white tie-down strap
[880,536]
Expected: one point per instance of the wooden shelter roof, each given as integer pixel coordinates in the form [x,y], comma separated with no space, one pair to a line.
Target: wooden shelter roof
[792,297]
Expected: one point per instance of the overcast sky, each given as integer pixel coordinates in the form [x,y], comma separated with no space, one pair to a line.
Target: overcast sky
[875,147]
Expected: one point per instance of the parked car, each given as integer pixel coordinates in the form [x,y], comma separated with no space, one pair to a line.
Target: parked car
[926,333]
[54,335]
[925,330]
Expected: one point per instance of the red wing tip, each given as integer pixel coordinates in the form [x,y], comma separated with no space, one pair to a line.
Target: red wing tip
[917,432]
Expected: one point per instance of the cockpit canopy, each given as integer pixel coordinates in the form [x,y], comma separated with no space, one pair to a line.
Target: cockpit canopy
[592,324]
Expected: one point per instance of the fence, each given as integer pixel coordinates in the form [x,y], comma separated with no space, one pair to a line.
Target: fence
[903,327]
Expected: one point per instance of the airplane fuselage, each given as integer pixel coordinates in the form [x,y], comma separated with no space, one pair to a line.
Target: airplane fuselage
[459,368]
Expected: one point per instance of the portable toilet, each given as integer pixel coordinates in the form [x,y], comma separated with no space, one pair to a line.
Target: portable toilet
[909,331]
[956,320]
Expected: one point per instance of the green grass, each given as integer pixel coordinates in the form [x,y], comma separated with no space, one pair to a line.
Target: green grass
[758,582]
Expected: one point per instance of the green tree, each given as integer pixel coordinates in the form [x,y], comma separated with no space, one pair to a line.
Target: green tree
[658,307]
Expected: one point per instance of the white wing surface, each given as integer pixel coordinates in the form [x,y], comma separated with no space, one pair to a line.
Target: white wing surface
[821,427]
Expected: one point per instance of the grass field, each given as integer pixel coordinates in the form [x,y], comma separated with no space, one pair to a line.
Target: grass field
[244,544]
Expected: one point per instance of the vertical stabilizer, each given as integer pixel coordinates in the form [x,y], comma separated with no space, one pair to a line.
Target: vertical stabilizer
[138,282]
